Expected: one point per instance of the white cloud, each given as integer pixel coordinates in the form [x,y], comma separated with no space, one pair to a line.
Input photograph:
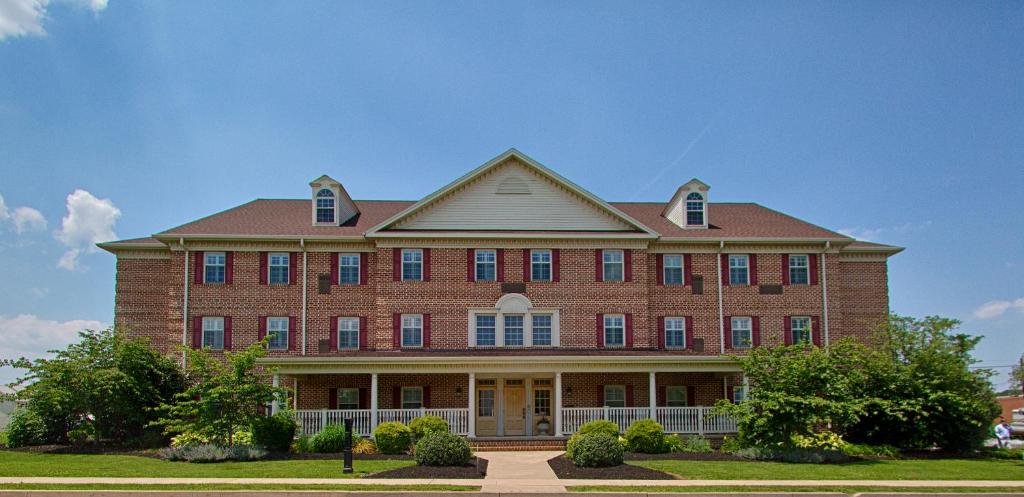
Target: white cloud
[996,308]
[22,218]
[26,335]
[90,220]
[874,234]
[26,17]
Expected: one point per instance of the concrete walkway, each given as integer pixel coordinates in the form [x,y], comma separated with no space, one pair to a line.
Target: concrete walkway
[524,472]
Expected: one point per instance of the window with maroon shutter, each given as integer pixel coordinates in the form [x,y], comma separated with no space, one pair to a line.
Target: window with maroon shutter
[293,268]
[364,398]
[691,395]
[689,332]
[675,396]
[332,398]
[426,331]
[629,331]
[753,269]
[264,270]
[229,267]
[816,331]
[723,262]
[727,331]
[335,261]
[500,270]
[556,265]
[598,265]
[227,332]
[334,333]
[661,332]
[292,334]
[197,332]
[688,269]
[396,398]
[350,268]
[627,263]
[629,396]
[280,268]
[364,274]
[426,264]
[675,332]
[662,397]
[199,268]
[411,330]
[755,331]
[614,396]
[396,331]
[785,269]
[396,264]
[659,269]
[278,329]
[426,397]
[814,268]
[348,333]
[526,265]
[261,328]
[364,336]
[600,330]
[470,264]
[485,265]
[787,330]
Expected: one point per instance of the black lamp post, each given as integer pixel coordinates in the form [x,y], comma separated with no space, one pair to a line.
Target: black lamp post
[346,447]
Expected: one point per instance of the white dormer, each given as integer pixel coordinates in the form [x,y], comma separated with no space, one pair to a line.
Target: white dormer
[331,205]
[689,206]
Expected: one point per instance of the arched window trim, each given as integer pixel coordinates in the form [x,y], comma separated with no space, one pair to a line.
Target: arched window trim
[695,206]
[325,203]
[514,304]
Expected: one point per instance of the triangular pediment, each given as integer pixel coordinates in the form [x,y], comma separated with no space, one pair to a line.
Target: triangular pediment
[512,193]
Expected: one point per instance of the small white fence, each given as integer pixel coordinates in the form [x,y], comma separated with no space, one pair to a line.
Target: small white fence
[312,421]
[697,420]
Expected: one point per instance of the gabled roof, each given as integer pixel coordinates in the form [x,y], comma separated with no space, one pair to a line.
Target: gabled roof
[733,221]
[694,182]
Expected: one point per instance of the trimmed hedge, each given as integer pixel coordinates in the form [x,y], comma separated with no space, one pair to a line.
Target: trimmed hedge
[26,428]
[330,440]
[646,436]
[441,448]
[392,438]
[425,425]
[275,432]
[596,450]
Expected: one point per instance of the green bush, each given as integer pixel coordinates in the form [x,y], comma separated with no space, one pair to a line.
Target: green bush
[688,445]
[204,453]
[151,438]
[862,450]
[392,437]
[793,455]
[303,444]
[596,450]
[645,436]
[79,436]
[425,425]
[25,428]
[999,453]
[441,448]
[599,426]
[330,440]
[364,446]
[3,440]
[190,438]
[730,445]
[275,433]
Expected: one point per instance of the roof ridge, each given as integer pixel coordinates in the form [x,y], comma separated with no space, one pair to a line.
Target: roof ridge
[207,217]
[802,221]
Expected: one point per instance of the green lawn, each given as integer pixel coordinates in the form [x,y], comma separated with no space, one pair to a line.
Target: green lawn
[909,469]
[845,490]
[14,463]
[354,487]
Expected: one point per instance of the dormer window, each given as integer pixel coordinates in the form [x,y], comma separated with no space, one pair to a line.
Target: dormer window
[688,208]
[325,207]
[695,209]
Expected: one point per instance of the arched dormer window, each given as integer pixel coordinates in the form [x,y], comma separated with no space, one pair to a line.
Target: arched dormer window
[325,207]
[694,209]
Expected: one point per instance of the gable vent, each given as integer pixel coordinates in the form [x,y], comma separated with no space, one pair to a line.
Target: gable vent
[513,185]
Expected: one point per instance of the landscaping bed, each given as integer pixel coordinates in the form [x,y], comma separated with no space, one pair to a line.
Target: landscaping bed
[683,456]
[565,469]
[475,468]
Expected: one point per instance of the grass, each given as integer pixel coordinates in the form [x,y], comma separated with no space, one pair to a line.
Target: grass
[906,469]
[845,490]
[69,465]
[354,487]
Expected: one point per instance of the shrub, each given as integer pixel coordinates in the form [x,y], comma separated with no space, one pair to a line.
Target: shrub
[730,445]
[190,438]
[364,446]
[79,436]
[151,438]
[596,450]
[441,448]
[275,433]
[425,425]
[793,455]
[826,440]
[887,451]
[3,440]
[645,436]
[303,444]
[688,445]
[25,428]
[204,453]
[330,440]
[999,453]
[392,437]
[599,425]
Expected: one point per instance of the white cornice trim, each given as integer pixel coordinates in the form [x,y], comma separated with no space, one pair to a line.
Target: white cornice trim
[514,235]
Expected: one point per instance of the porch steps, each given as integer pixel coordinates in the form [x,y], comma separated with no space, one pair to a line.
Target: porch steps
[517,444]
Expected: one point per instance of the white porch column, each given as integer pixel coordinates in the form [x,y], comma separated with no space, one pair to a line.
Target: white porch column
[471,394]
[652,395]
[276,404]
[373,402]
[558,404]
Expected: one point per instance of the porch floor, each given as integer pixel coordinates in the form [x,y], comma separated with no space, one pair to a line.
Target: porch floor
[521,443]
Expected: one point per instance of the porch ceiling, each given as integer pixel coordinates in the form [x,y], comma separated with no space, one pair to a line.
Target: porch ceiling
[499,364]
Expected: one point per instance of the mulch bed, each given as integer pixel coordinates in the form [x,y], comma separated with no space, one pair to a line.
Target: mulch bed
[680,456]
[476,468]
[565,469]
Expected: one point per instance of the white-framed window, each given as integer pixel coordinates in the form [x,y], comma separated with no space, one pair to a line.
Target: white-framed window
[412,330]
[694,209]
[213,333]
[675,332]
[485,403]
[800,327]
[739,269]
[739,394]
[541,402]
[348,398]
[277,331]
[673,269]
[486,262]
[676,396]
[412,397]
[348,269]
[325,206]
[612,265]
[412,264]
[615,396]
[348,333]
[214,267]
[741,333]
[540,265]
[278,268]
[514,330]
[614,330]
[485,330]
[542,330]
[799,269]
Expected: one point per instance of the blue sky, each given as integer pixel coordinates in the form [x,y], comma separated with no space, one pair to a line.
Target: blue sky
[899,122]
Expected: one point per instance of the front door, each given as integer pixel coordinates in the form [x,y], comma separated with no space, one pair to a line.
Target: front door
[486,409]
[515,408]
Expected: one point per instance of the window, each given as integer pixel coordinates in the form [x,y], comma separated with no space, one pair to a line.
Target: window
[412,264]
[348,398]
[739,394]
[485,329]
[542,402]
[676,397]
[277,330]
[213,333]
[612,265]
[278,268]
[673,268]
[798,270]
[348,269]
[486,264]
[542,330]
[214,268]
[694,209]
[741,333]
[675,333]
[739,270]
[348,333]
[614,396]
[800,327]
[325,206]
[614,331]
[412,330]
[540,265]
[514,330]
[412,398]
[485,405]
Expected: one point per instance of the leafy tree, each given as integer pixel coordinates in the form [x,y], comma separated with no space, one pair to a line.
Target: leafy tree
[1016,378]
[104,380]
[224,397]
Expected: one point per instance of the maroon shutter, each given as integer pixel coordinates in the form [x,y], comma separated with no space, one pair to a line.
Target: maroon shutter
[364,336]
[470,264]
[600,395]
[332,398]
[426,331]
[659,269]
[662,396]
[629,396]
[335,272]
[396,398]
[229,267]
[499,262]
[627,262]
[727,330]
[691,395]
[753,269]
[334,332]
[293,268]
[263,268]
[629,331]
[364,398]
[396,264]
[426,397]
[197,332]
[292,334]
[815,331]
[526,265]
[688,320]
[729,392]
[600,330]
[688,269]
[364,273]
[556,265]
[396,330]
[426,264]
[598,265]
[725,269]
[227,332]
[787,330]
[755,331]
[200,268]
[261,328]
[785,269]
[661,332]
[812,260]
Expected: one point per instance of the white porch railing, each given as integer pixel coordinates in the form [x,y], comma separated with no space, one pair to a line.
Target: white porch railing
[312,421]
[696,420]
[573,417]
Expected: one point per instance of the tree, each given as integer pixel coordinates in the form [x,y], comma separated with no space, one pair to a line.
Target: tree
[1017,378]
[224,397]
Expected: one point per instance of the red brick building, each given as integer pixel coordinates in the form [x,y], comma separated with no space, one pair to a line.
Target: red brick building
[512,302]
